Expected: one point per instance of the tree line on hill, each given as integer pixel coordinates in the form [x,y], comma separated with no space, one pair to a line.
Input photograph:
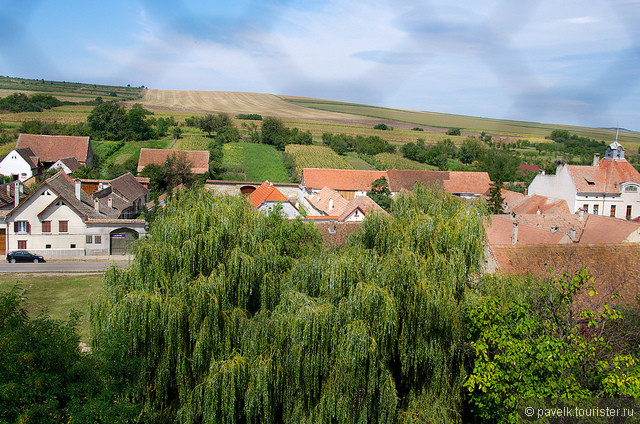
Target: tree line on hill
[230,315]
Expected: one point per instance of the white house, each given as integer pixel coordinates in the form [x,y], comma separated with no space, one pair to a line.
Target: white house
[20,164]
[609,187]
[59,219]
[265,197]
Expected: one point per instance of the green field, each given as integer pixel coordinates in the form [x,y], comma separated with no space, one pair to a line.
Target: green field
[530,130]
[253,162]
[57,294]
[78,91]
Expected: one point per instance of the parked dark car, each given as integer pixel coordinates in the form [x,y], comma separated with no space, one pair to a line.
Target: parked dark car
[24,256]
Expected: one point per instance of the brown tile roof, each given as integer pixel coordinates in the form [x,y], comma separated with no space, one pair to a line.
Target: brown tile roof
[364,203]
[7,193]
[340,179]
[336,234]
[456,182]
[71,163]
[266,193]
[604,178]
[614,267]
[50,148]
[64,187]
[406,179]
[198,158]
[467,182]
[560,223]
[128,187]
[511,199]
[29,157]
[544,205]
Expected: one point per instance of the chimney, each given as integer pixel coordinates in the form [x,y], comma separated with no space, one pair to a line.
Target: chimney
[9,189]
[16,194]
[78,188]
[581,214]
[110,202]
[572,234]
[96,204]
[514,233]
[596,159]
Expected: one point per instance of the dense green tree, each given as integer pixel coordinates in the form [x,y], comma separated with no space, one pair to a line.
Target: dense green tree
[137,126]
[470,150]
[453,131]
[531,340]
[380,193]
[272,128]
[108,120]
[237,316]
[44,378]
[214,123]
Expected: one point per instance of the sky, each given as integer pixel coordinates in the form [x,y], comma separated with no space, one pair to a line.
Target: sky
[565,62]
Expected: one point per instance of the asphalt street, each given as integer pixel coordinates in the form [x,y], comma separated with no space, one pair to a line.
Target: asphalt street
[62,266]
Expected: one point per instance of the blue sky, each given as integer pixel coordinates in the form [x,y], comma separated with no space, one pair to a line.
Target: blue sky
[565,62]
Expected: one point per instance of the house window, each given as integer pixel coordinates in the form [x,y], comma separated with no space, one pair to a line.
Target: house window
[22,244]
[585,207]
[595,209]
[21,227]
[628,211]
[46,226]
[47,246]
[73,246]
[631,188]
[613,211]
[63,226]
[89,239]
[97,239]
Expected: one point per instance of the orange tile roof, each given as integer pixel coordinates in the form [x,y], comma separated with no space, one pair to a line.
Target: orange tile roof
[340,179]
[500,232]
[544,205]
[50,148]
[328,197]
[604,229]
[199,158]
[604,178]
[266,193]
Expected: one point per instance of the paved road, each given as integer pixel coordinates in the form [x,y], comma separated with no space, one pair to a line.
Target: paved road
[61,266]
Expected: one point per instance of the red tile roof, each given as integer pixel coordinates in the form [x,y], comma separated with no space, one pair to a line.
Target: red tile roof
[603,229]
[50,148]
[266,193]
[500,233]
[199,158]
[604,178]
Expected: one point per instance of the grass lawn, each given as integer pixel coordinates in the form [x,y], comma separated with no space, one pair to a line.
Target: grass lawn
[58,294]
[259,162]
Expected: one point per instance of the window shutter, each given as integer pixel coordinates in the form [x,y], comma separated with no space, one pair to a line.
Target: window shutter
[15,226]
[28,227]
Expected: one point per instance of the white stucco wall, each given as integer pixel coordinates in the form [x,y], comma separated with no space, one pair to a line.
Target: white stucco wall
[560,186]
[14,164]
[55,243]
[287,208]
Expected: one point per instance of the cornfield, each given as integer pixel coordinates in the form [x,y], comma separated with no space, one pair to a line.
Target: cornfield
[316,157]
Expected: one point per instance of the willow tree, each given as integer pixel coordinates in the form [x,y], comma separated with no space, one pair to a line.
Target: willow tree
[238,317]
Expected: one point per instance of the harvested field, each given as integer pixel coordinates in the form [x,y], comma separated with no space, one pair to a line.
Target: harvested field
[234,103]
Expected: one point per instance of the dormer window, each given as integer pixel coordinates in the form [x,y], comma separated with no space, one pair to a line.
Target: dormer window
[631,189]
